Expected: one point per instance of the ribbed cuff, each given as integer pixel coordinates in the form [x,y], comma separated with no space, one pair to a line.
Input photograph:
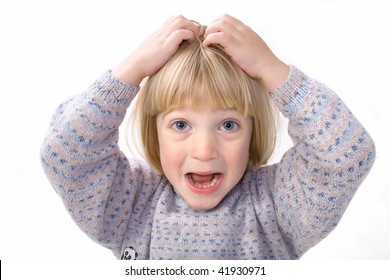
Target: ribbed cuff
[292,94]
[113,91]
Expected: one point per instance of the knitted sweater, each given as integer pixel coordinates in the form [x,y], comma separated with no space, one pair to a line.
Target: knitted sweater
[275,212]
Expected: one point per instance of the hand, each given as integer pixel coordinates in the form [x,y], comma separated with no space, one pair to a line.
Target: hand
[156,50]
[248,50]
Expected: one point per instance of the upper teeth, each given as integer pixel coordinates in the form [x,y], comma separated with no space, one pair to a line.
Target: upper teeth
[205,185]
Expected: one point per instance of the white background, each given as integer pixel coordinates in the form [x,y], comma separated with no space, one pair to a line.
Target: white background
[50,50]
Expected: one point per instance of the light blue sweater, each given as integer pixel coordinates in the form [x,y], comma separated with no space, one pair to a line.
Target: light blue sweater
[275,212]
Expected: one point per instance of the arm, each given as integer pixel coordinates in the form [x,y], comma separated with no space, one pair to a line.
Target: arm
[80,154]
[332,153]
[83,162]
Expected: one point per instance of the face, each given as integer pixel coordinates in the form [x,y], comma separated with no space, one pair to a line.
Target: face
[204,154]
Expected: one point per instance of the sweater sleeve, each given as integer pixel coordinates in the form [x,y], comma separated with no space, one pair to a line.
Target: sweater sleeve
[332,154]
[82,160]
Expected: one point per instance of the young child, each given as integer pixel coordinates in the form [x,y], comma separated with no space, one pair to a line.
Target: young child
[207,129]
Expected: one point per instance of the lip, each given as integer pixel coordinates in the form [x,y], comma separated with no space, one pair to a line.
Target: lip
[204,191]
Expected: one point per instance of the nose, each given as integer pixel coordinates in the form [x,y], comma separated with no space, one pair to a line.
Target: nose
[204,146]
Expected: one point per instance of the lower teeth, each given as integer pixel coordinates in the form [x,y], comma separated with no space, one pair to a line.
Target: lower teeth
[205,185]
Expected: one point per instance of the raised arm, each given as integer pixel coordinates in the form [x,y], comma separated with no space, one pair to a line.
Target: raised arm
[83,162]
[80,154]
[332,154]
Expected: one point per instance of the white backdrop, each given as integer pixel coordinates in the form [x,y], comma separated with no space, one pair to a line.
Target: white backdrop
[51,50]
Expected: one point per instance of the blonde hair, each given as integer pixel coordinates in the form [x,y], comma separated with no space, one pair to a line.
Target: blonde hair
[197,75]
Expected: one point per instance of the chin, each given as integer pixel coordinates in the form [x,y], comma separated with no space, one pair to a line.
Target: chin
[203,205]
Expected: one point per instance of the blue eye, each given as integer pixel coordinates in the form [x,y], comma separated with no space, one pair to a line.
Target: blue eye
[180,125]
[229,125]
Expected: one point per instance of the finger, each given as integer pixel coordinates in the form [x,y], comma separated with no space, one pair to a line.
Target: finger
[181,35]
[173,19]
[180,22]
[214,27]
[223,23]
[214,39]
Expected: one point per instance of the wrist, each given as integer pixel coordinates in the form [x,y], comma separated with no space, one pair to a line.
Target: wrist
[129,71]
[274,74]
[127,75]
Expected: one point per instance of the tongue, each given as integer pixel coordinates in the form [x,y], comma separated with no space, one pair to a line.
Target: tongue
[201,179]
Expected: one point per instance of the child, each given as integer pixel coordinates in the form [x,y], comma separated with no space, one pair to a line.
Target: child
[208,129]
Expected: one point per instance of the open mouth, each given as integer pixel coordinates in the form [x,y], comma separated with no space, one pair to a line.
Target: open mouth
[204,183]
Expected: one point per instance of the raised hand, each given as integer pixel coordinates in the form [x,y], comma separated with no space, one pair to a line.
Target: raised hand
[156,50]
[247,49]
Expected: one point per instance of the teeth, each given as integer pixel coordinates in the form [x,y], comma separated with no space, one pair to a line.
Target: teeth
[205,185]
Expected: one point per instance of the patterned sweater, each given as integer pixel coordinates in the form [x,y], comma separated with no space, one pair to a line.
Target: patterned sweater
[275,212]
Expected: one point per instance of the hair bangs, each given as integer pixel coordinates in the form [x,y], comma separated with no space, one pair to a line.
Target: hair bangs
[197,77]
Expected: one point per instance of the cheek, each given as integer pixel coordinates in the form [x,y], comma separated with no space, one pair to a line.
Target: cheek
[171,156]
[171,152]
[171,164]
[239,156]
